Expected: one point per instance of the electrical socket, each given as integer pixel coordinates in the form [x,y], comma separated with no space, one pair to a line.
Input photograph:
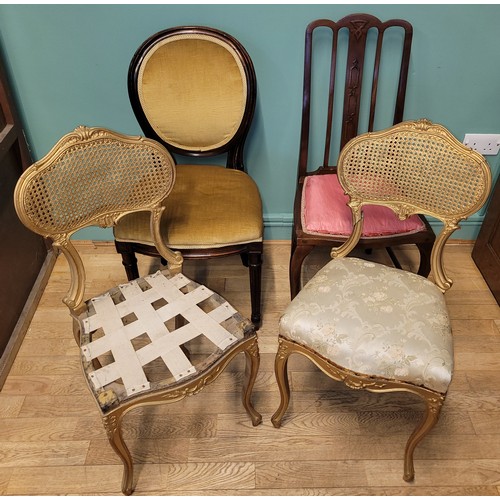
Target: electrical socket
[486,144]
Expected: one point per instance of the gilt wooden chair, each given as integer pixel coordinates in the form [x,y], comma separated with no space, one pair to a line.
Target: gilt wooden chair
[193,89]
[361,46]
[153,340]
[372,326]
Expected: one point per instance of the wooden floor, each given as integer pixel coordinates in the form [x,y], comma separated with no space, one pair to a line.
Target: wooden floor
[334,441]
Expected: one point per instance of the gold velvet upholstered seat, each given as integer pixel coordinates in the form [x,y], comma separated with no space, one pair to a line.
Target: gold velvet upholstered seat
[376,327]
[194,89]
[191,218]
[155,339]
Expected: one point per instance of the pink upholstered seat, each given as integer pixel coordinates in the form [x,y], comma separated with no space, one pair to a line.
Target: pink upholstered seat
[325,211]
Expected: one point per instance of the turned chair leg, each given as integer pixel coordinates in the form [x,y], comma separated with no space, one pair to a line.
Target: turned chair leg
[255,272]
[129,260]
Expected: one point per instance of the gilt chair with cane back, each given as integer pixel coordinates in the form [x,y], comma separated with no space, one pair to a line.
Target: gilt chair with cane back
[361,46]
[373,326]
[193,89]
[155,339]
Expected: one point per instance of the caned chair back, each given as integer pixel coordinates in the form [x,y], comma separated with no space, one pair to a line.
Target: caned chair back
[193,89]
[92,177]
[414,167]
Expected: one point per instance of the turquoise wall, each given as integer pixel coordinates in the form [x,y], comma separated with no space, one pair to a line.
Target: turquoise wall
[68,65]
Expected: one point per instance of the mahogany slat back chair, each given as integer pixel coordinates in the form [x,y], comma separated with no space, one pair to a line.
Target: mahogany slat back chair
[193,89]
[321,216]
[156,339]
[377,327]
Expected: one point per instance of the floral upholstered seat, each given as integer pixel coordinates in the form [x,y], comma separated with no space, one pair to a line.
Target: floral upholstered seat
[375,321]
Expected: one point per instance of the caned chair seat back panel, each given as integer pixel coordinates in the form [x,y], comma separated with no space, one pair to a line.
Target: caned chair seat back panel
[376,327]
[193,89]
[414,167]
[355,75]
[108,173]
[152,340]
[417,166]
[196,215]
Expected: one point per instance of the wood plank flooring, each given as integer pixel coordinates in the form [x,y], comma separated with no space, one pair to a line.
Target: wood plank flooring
[334,441]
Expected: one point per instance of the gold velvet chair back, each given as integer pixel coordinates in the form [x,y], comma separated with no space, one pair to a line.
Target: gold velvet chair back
[194,90]
[376,327]
[347,90]
[135,339]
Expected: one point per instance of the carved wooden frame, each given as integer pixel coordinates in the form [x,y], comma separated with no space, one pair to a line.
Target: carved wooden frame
[113,420]
[403,208]
[434,400]
[74,298]
[61,239]
[358,25]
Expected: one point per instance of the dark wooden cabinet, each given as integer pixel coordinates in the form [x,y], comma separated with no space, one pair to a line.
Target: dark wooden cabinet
[24,256]
[486,251]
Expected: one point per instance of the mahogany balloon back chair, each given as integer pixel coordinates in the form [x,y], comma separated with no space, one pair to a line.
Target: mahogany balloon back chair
[372,96]
[193,89]
[136,338]
[372,326]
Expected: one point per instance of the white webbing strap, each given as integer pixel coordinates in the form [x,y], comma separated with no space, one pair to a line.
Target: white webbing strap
[128,363]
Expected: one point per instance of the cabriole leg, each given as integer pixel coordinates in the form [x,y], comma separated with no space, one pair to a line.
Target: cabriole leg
[252,367]
[281,372]
[112,424]
[434,404]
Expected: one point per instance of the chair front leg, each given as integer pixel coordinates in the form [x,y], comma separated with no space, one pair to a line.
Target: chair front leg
[434,403]
[129,260]
[251,368]
[281,372]
[112,424]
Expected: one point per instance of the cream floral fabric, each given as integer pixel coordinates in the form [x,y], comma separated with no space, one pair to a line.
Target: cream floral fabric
[374,320]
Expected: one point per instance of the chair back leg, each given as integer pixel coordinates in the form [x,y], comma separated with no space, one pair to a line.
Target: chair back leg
[255,271]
